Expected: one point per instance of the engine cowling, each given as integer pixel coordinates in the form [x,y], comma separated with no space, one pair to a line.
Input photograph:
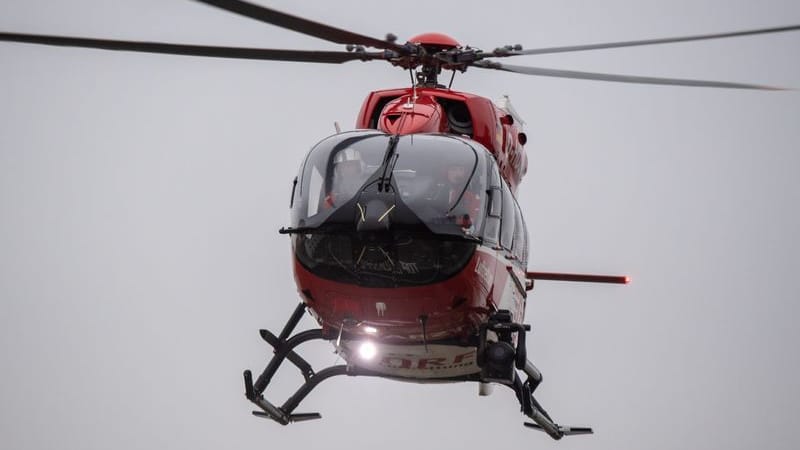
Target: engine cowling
[403,115]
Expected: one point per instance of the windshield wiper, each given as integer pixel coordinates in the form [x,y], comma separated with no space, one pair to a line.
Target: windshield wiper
[389,161]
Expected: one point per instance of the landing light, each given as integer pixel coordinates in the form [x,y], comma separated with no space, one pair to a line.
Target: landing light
[367,350]
[370,330]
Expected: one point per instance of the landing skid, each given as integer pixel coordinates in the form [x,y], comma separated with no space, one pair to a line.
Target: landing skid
[284,414]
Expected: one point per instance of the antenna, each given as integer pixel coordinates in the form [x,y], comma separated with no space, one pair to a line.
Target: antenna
[413,85]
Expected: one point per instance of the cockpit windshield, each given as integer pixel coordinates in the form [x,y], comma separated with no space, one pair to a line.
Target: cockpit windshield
[440,180]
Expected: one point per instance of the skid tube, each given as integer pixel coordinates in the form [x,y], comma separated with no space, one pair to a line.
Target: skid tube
[284,346]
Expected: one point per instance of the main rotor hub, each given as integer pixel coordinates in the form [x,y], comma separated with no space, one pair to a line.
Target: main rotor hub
[434,51]
[437,41]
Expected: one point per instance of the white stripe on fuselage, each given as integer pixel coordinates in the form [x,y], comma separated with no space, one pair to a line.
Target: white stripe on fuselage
[415,361]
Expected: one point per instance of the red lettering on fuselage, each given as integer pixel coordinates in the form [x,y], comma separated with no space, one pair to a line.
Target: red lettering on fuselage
[389,361]
[412,362]
[423,363]
[460,358]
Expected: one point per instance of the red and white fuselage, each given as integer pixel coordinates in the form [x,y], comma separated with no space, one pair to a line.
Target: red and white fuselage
[419,327]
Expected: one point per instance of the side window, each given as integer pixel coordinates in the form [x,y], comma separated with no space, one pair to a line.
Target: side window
[509,211]
[494,175]
[491,229]
[520,237]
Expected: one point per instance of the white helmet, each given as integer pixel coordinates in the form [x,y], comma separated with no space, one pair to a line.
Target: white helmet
[348,154]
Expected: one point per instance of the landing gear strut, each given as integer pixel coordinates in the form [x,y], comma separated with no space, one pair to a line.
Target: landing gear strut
[284,349]
[497,357]
[498,360]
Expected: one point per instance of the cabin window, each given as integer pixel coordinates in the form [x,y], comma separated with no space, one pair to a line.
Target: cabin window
[494,174]
[520,249]
[491,230]
[509,213]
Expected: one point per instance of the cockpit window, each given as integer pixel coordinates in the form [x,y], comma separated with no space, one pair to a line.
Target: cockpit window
[334,171]
[379,210]
[442,181]
[438,181]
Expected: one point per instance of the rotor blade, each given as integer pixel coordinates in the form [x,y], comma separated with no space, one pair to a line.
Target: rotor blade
[194,50]
[618,78]
[577,48]
[301,25]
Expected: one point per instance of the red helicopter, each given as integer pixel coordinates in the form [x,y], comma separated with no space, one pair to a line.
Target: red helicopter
[410,249]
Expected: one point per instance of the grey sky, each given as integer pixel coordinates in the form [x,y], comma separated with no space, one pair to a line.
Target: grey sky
[140,197]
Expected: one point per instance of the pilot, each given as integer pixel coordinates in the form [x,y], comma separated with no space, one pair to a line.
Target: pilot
[348,176]
[468,206]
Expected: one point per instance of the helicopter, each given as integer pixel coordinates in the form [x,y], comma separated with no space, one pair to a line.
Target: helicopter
[387,249]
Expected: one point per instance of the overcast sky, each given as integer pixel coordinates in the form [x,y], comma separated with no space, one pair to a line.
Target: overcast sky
[140,198]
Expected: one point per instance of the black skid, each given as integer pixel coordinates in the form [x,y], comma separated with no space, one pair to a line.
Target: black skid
[284,346]
[284,349]
[500,322]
